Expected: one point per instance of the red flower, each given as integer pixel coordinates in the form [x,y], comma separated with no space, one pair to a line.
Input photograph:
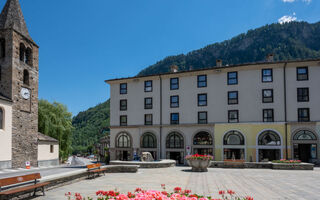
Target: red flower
[221,192]
[249,198]
[177,189]
[138,190]
[231,192]
[164,193]
[111,193]
[186,191]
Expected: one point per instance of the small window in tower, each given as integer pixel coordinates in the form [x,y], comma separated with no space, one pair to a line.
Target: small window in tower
[2,48]
[22,52]
[28,57]
[26,77]
[51,149]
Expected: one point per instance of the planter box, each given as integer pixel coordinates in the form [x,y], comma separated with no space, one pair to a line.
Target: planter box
[199,165]
[292,166]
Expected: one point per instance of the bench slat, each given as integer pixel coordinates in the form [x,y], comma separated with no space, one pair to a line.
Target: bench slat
[22,189]
[19,179]
[94,166]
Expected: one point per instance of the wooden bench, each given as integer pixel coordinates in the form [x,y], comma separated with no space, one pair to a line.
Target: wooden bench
[95,169]
[20,184]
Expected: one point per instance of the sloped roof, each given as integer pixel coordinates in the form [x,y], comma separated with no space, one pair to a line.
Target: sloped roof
[5,98]
[12,17]
[45,138]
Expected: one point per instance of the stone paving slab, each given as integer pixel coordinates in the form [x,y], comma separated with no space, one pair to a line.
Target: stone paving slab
[262,184]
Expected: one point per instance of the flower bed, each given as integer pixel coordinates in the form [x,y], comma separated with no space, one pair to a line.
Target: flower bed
[287,161]
[199,157]
[140,194]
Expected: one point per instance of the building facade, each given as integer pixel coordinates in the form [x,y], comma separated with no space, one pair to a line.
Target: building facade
[19,78]
[253,112]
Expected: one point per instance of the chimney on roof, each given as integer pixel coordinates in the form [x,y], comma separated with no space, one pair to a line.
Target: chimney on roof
[218,63]
[174,68]
[270,57]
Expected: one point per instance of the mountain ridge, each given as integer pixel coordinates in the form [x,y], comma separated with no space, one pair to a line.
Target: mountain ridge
[289,41]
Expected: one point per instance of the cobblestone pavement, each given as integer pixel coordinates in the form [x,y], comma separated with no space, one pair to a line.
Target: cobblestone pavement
[262,184]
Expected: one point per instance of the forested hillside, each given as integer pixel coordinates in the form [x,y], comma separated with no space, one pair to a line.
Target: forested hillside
[295,40]
[89,126]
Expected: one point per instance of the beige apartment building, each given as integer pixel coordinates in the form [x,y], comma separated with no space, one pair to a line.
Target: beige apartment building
[254,112]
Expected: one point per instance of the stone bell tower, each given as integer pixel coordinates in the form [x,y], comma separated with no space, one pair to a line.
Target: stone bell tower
[19,66]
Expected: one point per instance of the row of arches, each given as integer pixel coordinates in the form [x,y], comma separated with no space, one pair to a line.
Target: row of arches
[25,53]
[175,140]
[269,144]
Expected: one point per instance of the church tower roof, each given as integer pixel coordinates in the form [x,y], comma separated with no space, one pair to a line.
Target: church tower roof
[12,17]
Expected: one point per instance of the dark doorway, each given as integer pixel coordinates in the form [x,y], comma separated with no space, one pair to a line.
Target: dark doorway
[305,152]
[269,154]
[176,156]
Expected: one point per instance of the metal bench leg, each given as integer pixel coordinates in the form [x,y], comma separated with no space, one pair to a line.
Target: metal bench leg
[44,194]
[35,192]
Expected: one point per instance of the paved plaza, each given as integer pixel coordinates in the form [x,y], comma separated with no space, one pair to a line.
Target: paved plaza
[262,184]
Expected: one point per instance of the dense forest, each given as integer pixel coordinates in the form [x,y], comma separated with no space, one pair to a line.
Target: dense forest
[90,126]
[295,40]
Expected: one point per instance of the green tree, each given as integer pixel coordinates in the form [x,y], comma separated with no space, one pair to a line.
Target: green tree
[55,121]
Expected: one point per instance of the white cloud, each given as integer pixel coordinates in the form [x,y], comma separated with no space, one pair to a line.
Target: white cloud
[307,1]
[287,18]
[290,1]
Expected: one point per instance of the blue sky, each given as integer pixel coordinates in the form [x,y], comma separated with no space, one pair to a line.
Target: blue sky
[84,42]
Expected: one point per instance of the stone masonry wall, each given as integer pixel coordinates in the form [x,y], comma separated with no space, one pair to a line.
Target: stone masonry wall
[25,112]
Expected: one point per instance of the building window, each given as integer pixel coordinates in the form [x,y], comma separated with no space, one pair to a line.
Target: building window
[148,119]
[232,78]
[233,97]
[149,141]
[28,57]
[51,149]
[1,118]
[267,96]
[302,73]
[123,120]
[123,88]
[22,52]
[202,117]
[304,135]
[303,94]
[123,104]
[123,141]
[174,119]
[202,138]
[303,114]
[268,115]
[269,138]
[175,141]
[2,48]
[148,86]
[202,81]
[174,101]
[174,83]
[233,116]
[25,77]
[267,75]
[233,138]
[148,103]
[202,99]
